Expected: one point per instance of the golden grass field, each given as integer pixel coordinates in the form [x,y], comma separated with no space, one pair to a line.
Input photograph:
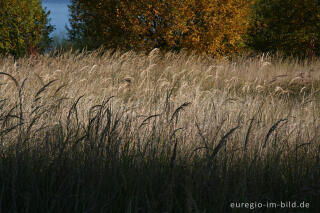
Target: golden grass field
[240,128]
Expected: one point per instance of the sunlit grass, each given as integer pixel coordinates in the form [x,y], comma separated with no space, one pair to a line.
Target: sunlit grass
[126,132]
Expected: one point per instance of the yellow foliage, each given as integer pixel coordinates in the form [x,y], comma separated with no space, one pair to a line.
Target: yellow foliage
[214,27]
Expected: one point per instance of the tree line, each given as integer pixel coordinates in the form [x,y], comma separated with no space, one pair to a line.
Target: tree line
[214,27]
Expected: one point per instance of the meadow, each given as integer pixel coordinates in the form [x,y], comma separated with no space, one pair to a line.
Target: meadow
[112,131]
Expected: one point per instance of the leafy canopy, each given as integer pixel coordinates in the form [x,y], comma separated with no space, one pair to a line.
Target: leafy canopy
[289,26]
[213,27]
[24,27]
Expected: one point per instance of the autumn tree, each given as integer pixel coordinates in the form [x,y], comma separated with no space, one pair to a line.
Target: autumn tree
[289,26]
[96,22]
[24,27]
[214,27]
[154,24]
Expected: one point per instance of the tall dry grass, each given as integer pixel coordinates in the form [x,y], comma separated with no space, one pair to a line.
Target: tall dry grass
[124,132]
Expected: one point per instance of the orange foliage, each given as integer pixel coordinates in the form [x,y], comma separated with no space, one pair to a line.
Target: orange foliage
[213,27]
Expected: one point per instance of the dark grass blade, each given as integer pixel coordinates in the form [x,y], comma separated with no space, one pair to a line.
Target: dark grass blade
[222,142]
[274,126]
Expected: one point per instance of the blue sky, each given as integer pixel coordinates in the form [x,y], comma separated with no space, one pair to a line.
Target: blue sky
[59,14]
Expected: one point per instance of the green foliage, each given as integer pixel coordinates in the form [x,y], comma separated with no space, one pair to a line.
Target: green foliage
[24,27]
[288,26]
